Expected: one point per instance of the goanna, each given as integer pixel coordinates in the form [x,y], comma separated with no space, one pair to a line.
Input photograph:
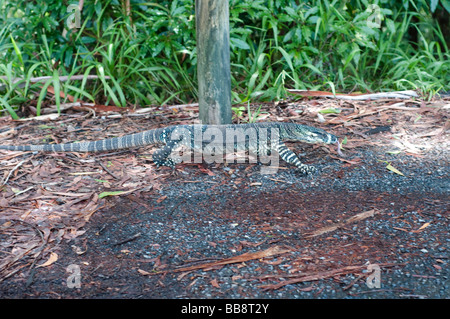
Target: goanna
[254,137]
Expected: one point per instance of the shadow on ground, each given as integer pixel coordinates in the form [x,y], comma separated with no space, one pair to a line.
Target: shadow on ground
[240,234]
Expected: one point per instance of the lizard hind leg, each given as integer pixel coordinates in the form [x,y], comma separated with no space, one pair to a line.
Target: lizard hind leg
[161,157]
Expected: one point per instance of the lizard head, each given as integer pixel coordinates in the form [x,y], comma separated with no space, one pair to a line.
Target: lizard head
[315,135]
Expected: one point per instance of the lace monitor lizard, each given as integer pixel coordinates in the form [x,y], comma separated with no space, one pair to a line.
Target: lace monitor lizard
[257,137]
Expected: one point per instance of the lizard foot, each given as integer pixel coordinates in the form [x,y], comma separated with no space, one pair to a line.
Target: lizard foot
[306,170]
[166,162]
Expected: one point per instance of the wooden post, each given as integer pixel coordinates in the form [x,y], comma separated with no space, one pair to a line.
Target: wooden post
[213,56]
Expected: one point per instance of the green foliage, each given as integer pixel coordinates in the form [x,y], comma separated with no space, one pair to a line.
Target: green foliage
[238,112]
[149,52]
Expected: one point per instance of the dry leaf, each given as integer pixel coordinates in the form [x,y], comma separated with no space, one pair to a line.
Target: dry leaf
[214,283]
[53,257]
[424,225]
[213,244]
[78,250]
[421,228]
[159,200]
[393,169]
[143,272]
[361,216]
[192,283]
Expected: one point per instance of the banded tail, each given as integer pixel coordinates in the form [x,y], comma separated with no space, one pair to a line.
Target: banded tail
[115,143]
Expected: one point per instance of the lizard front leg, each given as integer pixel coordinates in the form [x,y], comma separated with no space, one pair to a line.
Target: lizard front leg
[289,156]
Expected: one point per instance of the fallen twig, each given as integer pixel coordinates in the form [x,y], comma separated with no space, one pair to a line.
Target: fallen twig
[127,240]
[317,275]
[9,175]
[352,219]
[108,171]
[269,252]
[314,276]
[358,96]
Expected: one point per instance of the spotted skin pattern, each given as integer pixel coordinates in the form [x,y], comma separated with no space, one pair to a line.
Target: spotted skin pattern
[246,137]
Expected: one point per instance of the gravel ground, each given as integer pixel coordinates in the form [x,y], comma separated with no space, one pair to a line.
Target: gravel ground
[134,248]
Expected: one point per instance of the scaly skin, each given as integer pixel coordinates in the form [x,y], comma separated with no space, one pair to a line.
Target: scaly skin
[250,137]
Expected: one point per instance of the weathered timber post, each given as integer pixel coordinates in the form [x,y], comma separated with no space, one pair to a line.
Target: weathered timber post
[213,56]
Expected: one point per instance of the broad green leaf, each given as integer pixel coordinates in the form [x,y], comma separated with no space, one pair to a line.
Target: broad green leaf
[105,194]
[239,44]
[330,111]
[433,5]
